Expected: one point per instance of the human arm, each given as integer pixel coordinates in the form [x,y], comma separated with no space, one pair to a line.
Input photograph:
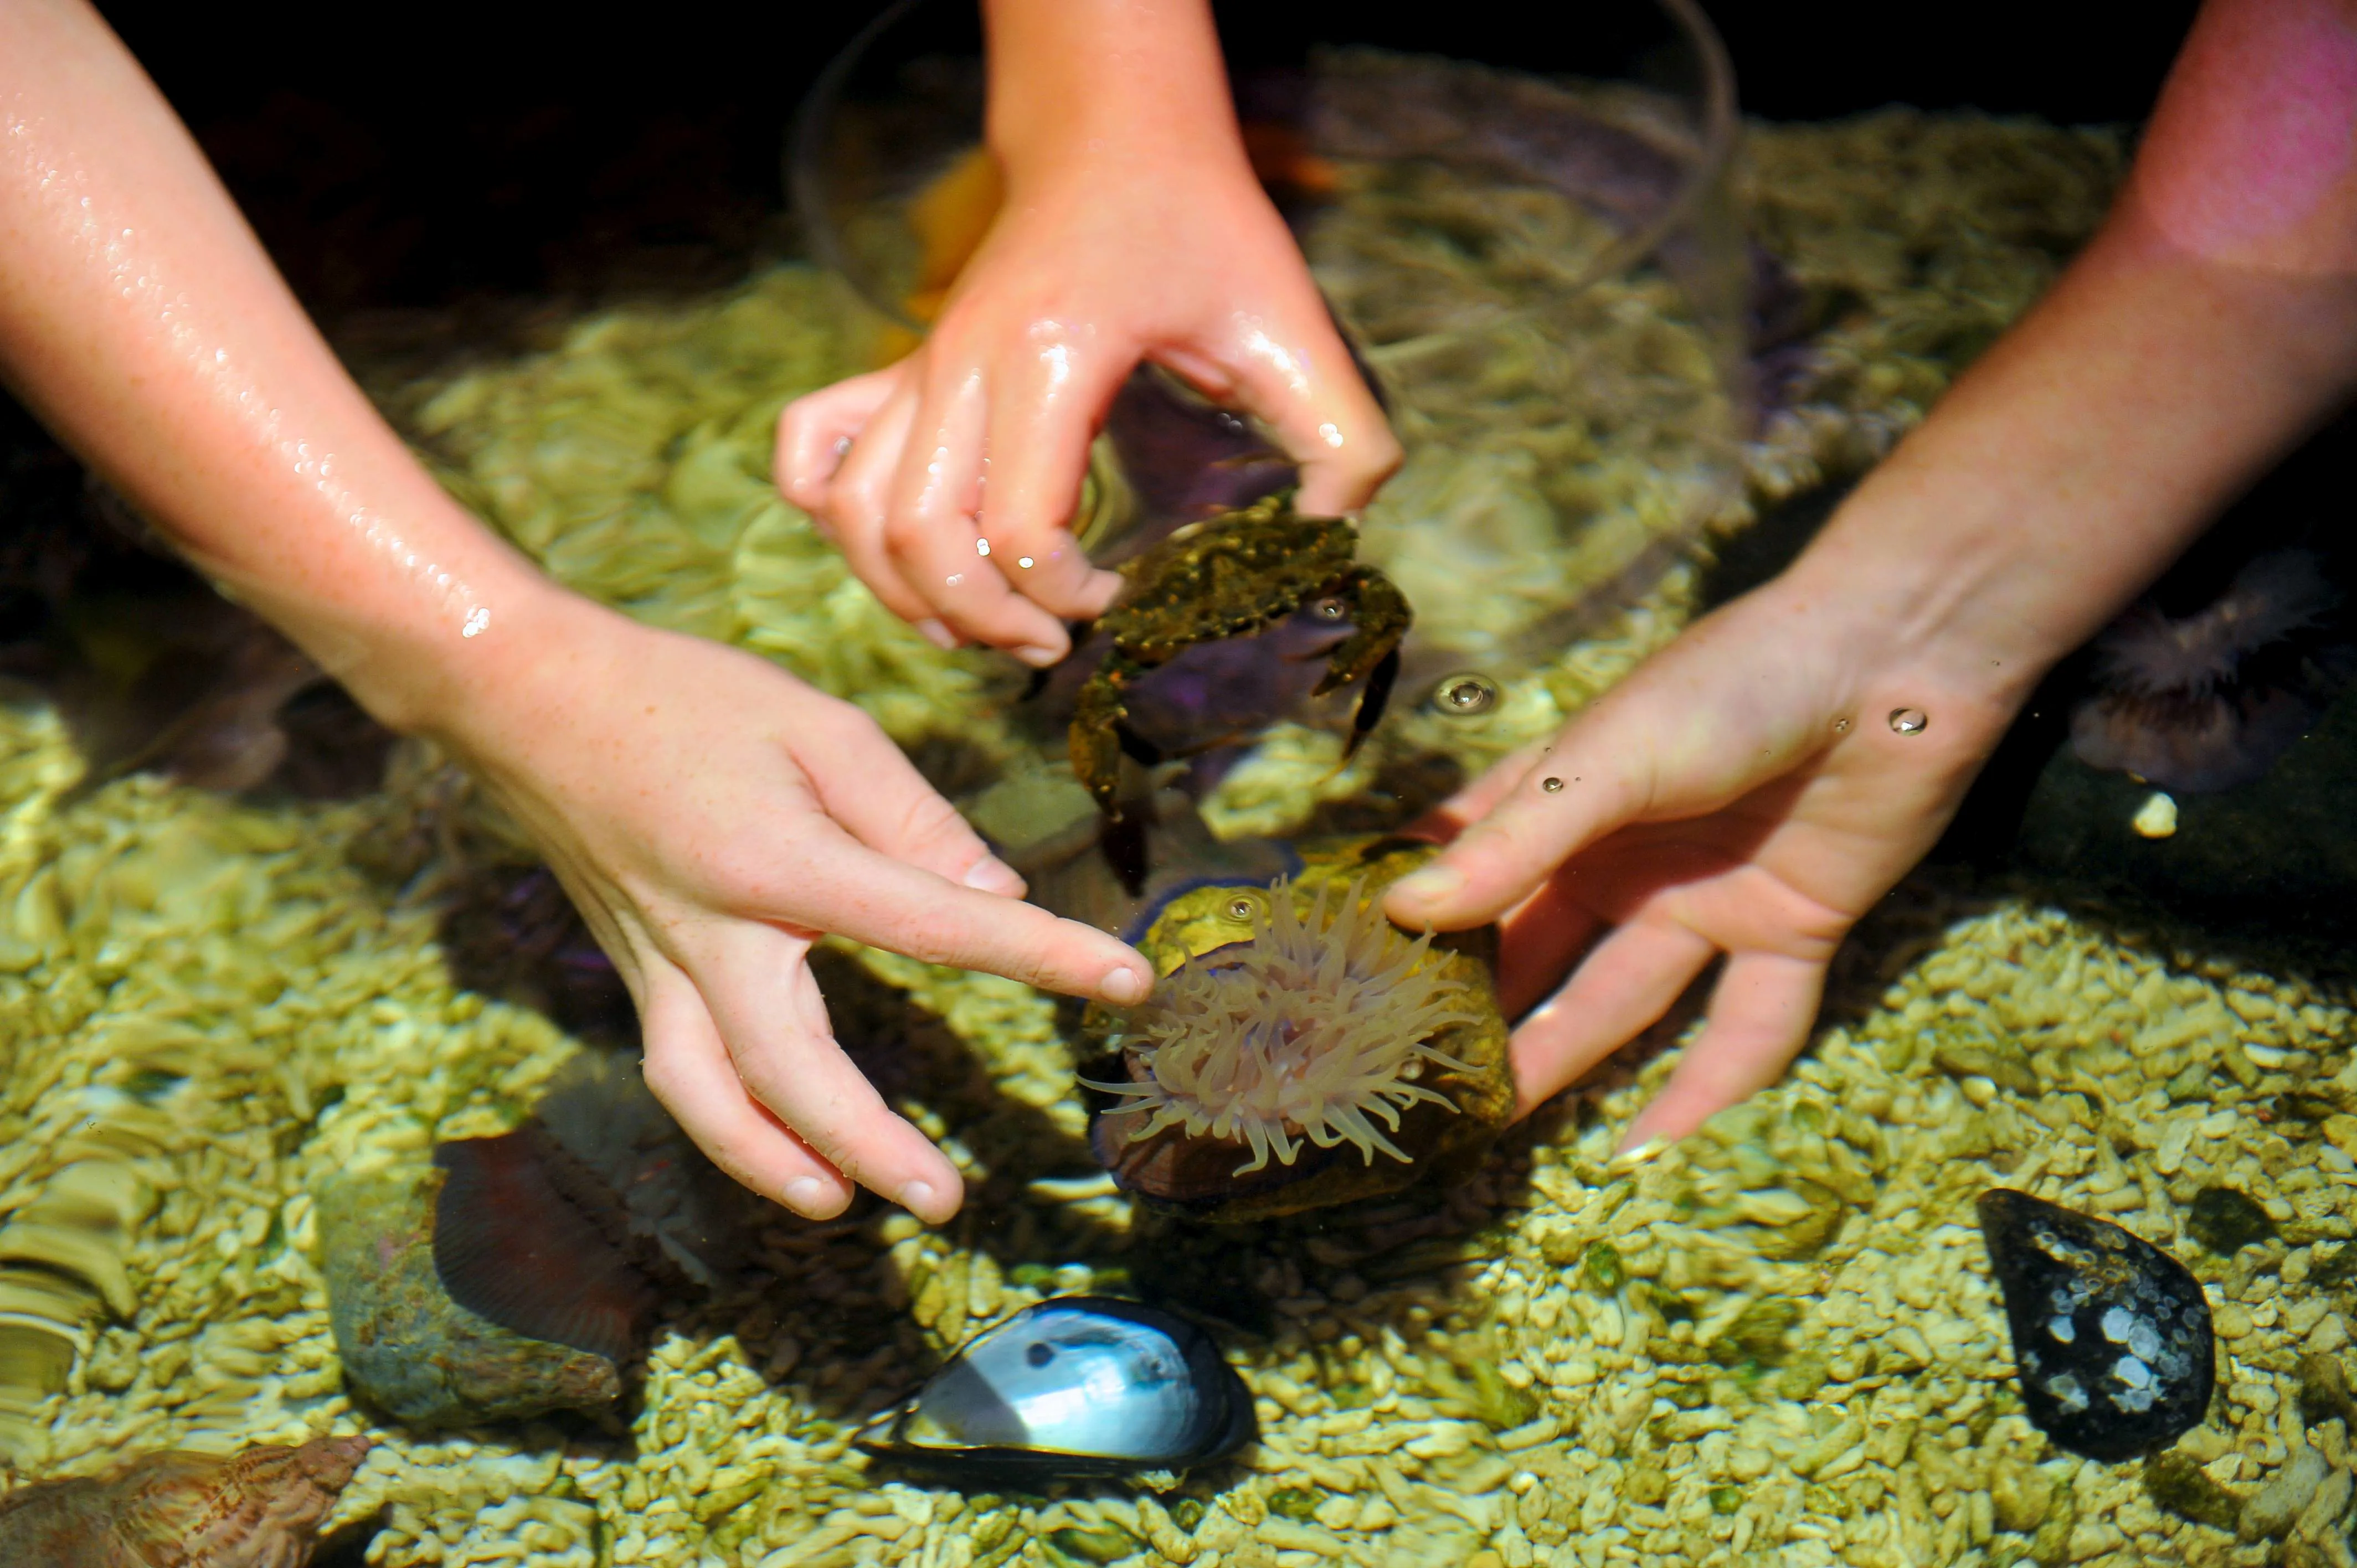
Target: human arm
[1133,228]
[1745,793]
[709,814]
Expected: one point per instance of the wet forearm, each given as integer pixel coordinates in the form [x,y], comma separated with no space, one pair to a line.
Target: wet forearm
[2209,326]
[141,318]
[1076,80]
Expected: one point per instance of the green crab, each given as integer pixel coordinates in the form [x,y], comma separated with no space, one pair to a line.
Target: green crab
[1227,627]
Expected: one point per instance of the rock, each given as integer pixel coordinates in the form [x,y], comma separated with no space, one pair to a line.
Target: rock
[411,1350]
[2269,1512]
[2324,1510]
[2021,1497]
[2324,1394]
[2177,1485]
[2111,1335]
[2227,1221]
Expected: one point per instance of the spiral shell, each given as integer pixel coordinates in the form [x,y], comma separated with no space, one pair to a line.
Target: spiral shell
[259,1509]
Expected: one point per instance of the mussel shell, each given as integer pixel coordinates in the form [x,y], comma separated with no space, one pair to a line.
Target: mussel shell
[1076,1385]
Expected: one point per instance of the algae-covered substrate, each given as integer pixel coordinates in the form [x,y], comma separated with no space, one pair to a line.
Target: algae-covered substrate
[1778,1341]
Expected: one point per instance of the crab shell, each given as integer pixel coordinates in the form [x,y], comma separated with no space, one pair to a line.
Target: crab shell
[1233,576]
[259,1509]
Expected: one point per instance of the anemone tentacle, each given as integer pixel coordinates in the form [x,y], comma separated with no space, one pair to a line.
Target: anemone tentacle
[1295,1035]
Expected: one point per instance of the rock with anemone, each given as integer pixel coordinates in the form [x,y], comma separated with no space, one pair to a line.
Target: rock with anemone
[1299,1050]
[2206,701]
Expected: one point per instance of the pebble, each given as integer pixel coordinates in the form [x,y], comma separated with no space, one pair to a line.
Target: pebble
[2273,1506]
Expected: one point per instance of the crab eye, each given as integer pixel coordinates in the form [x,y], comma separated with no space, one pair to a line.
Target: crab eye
[1329,608]
[1244,907]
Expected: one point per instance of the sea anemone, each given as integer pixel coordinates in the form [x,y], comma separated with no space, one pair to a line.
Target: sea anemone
[1306,1029]
[2210,701]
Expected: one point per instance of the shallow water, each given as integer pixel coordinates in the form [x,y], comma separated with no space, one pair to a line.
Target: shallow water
[1776,1342]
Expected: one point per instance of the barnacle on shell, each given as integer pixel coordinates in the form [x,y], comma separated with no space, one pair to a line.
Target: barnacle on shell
[1312,1027]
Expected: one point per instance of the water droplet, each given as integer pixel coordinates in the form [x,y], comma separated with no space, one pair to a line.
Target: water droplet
[982,547]
[1024,561]
[1841,726]
[1909,721]
[1464,695]
[1550,785]
[477,619]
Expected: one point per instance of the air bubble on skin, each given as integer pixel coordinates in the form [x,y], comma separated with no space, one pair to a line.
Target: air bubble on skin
[1330,434]
[1550,785]
[1024,561]
[1909,721]
[477,619]
[954,578]
[982,547]
[1841,726]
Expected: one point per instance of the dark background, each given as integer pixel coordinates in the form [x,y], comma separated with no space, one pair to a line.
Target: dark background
[416,154]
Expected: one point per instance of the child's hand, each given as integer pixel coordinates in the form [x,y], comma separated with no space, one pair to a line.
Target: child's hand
[950,478]
[712,817]
[1745,793]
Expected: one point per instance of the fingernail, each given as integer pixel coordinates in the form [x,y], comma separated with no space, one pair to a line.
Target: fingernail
[992,875]
[804,1194]
[1636,1149]
[937,634]
[1039,655]
[1430,885]
[917,1197]
[1124,985]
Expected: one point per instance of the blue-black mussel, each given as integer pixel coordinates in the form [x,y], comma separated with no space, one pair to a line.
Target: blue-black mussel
[1075,1386]
[2111,1334]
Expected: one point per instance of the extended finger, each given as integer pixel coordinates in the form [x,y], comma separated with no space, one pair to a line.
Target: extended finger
[816,430]
[1624,986]
[689,1070]
[868,785]
[935,538]
[768,1008]
[1595,778]
[1303,385]
[1043,415]
[1537,942]
[1452,816]
[836,884]
[1760,1012]
[855,506]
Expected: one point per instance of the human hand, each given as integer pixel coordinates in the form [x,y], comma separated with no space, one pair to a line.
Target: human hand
[711,817]
[1136,239]
[1746,792]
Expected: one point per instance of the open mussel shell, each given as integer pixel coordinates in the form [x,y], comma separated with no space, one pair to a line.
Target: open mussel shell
[1078,1385]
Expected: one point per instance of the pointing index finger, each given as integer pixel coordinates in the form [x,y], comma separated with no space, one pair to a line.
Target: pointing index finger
[1564,800]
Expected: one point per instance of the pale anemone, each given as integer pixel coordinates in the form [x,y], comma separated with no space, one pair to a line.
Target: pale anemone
[1305,1030]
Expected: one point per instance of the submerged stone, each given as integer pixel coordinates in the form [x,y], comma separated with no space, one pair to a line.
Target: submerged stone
[2177,1484]
[2227,1221]
[2111,1335]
